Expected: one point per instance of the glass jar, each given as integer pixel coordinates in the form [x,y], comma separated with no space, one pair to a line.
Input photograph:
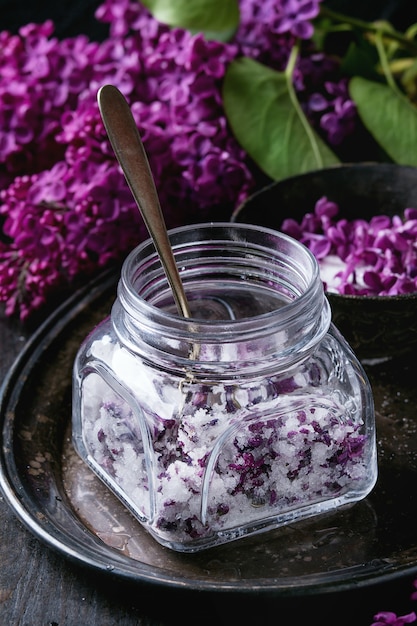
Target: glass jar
[252,413]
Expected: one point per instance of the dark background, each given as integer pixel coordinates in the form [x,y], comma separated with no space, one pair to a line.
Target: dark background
[77,16]
[401,13]
[71,17]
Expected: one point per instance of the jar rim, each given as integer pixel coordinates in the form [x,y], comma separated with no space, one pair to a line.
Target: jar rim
[147,250]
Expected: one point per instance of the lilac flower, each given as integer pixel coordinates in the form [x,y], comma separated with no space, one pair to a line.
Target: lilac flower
[385,618]
[332,110]
[295,16]
[378,257]
[64,201]
[279,17]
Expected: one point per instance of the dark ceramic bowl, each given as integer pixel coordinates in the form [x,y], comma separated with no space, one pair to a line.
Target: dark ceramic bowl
[375,326]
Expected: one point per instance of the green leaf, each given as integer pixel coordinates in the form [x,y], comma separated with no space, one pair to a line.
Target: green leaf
[389,117]
[217,19]
[268,122]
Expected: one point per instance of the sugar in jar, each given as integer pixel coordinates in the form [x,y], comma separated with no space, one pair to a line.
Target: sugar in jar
[252,413]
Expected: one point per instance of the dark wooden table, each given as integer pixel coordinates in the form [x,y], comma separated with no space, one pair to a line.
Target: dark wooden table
[40,587]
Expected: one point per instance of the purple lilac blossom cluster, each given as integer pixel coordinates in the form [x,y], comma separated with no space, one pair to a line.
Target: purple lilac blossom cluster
[376,257]
[65,208]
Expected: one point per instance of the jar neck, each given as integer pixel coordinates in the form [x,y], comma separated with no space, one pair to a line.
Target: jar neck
[256,299]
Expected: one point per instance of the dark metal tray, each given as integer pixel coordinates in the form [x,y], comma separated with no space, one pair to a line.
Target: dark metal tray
[58,498]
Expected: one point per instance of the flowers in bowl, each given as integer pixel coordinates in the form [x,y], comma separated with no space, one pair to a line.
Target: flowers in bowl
[360,257]
[359,220]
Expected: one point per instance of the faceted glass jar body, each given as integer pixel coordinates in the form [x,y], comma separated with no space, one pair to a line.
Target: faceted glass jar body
[251,414]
